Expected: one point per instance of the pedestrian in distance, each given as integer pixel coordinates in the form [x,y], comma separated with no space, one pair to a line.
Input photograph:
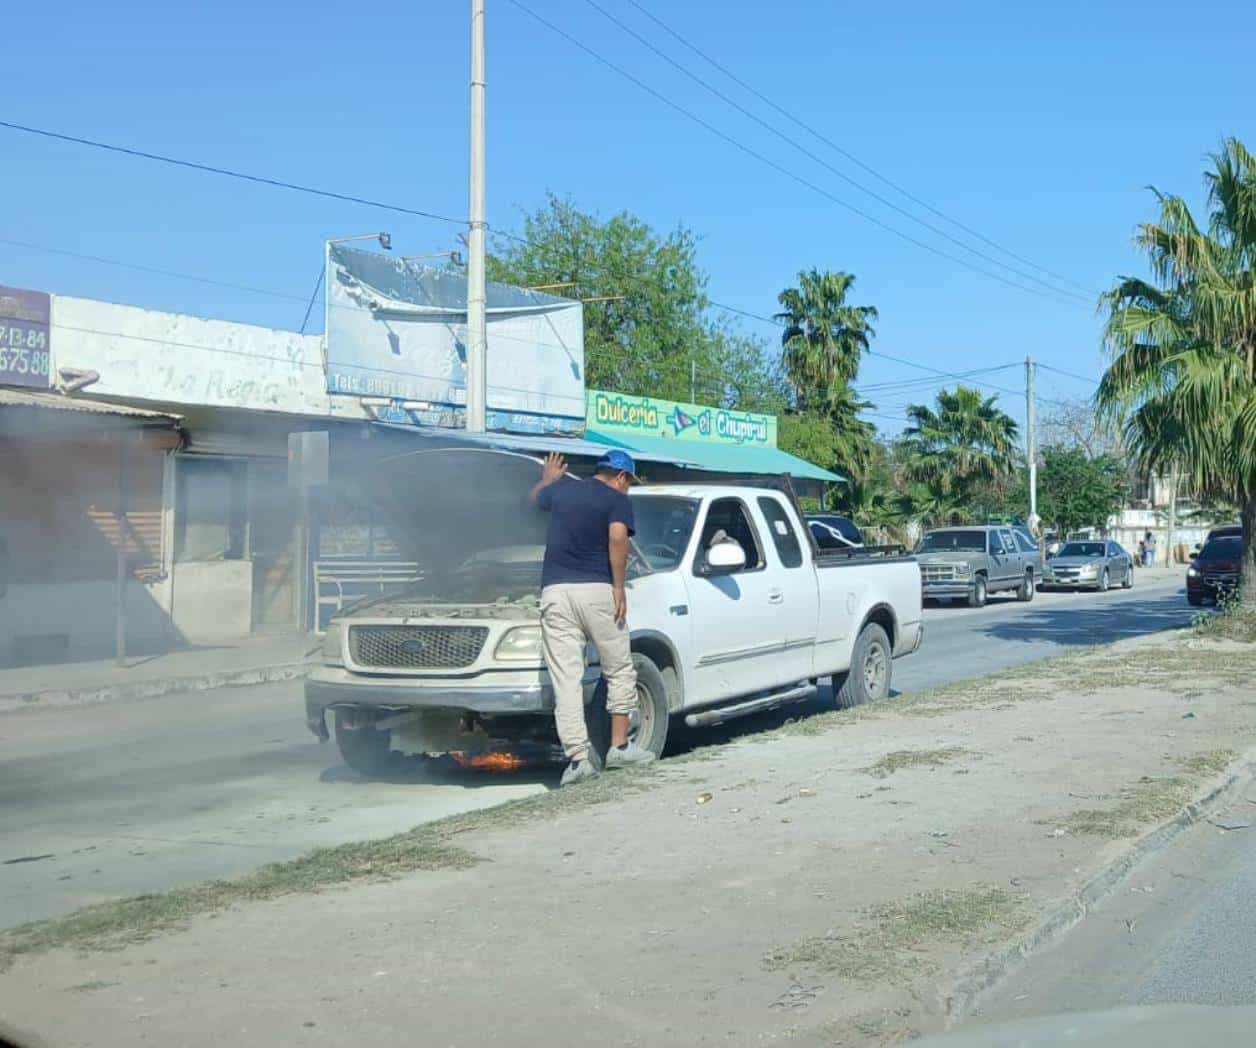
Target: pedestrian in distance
[1149,548]
[583,601]
[1142,553]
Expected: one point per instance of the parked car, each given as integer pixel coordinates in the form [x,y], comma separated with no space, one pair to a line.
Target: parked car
[1216,570]
[833,532]
[731,611]
[1097,565]
[973,562]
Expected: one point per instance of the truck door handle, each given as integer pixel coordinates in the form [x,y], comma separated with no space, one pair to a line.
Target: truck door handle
[776,596]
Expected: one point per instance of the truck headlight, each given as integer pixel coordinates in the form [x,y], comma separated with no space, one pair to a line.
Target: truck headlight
[1192,573]
[523,643]
[962,571]
[332,652]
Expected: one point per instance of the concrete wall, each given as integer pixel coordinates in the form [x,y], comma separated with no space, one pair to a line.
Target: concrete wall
[85,612]
[212,600]
[171,358]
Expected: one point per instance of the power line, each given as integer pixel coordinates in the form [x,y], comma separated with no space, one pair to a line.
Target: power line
[763,159]
[227,172]
[1066,374]
[750,115]
[843,152]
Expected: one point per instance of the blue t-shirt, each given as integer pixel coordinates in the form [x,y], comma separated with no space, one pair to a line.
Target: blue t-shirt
[578,547]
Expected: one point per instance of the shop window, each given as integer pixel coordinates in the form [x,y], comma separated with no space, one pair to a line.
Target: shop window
[210,509]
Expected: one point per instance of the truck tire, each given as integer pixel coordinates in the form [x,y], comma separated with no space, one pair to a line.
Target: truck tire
[362,746]
[648,726]
[1026,592]
[980,590]
[871,667]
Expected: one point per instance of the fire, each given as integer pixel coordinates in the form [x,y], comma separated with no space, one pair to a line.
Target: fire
[496,760]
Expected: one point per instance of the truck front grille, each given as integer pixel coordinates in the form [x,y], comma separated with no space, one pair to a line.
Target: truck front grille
[938,572]
[416,647]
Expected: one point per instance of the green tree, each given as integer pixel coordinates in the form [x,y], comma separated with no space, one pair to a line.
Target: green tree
[1182,381]
[1076,491]
[650,331]
[824,337]
[965,447]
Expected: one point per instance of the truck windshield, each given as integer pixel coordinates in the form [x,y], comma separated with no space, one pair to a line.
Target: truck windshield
[664,524]
[1225,548]
[954,541]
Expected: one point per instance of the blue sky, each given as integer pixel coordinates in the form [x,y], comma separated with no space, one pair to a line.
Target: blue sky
[1038,125]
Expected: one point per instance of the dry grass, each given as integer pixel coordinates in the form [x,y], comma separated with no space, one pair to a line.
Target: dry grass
[1210,762]
[885,945]
[1149,800]
[901,759]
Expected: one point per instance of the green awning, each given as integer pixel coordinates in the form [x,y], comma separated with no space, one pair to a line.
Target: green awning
[719,458]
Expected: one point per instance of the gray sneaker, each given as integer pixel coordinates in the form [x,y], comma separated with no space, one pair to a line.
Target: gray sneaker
[629,755]
[578,771]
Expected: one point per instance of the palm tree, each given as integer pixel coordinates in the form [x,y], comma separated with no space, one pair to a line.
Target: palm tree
[1182,382]
[966,442]
[824,337]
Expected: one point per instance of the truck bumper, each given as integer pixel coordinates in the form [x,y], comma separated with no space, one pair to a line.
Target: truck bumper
[931,591]
[510,692]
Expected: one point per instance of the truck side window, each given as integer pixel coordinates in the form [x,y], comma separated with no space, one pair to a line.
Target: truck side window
[782,531]
[727,519]
[996,543]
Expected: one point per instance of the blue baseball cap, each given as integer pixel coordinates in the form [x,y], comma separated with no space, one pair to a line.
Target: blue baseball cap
[620,461]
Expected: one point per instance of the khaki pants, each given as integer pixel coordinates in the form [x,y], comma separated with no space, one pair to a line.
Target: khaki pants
[573,615]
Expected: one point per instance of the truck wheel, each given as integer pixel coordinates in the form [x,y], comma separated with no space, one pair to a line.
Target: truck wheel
[647,725]
[977,597]
[365,748]
[1026,592]
[1194,600]
[871,667]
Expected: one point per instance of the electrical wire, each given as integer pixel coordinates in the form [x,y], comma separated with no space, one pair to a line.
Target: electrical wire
[229,173]
[810,154]
[845,153]
[767,161]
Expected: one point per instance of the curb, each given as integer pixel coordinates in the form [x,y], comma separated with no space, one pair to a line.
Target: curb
[150,689]
[985,974]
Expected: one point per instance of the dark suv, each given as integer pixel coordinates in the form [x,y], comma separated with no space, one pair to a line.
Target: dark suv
[1216,570]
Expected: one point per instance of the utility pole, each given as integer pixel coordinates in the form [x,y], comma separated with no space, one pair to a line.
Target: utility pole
[1171,524]
[1031,450]
[477,384]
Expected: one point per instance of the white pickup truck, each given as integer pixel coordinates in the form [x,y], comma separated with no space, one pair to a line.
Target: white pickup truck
[731,608]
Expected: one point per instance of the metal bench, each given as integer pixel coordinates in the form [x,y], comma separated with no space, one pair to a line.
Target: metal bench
[336,581]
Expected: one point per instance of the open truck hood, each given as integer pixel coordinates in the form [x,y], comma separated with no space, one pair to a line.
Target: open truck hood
[445,505]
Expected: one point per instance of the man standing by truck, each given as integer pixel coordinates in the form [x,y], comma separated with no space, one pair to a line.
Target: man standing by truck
[583,601]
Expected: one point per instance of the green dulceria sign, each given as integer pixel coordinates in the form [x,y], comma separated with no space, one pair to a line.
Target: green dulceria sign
[617,415]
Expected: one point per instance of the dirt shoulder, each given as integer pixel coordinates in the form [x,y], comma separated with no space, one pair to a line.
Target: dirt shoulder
[821,884]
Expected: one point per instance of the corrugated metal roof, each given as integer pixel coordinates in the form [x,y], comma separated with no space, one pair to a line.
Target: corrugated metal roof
[25,398]
[528,442]
[718,458]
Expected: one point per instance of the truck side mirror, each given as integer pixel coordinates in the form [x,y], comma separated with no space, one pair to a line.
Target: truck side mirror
[724,558]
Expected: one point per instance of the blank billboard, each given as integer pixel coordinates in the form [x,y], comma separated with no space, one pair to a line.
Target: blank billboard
[398,329]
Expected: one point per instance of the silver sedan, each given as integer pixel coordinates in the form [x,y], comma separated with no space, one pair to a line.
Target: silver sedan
[1098,565]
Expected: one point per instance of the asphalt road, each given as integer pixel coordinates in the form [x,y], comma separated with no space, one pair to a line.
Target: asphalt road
[111,800]
[1178,931]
